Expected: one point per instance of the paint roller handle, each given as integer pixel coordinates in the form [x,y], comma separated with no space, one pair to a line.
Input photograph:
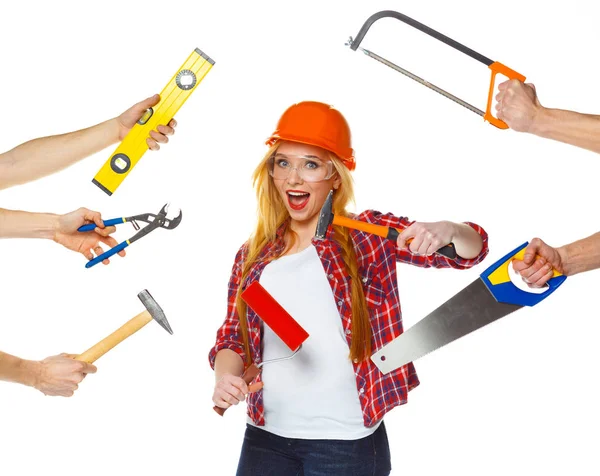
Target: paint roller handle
[249,374]
[92,226]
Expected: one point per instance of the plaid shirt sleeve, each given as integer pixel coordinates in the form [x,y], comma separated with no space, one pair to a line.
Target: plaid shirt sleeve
[229,335]
[436,260]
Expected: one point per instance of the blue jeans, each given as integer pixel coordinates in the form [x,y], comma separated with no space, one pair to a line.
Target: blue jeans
[266,454]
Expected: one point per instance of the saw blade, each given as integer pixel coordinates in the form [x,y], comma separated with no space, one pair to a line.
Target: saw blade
[469,310]
[422,81]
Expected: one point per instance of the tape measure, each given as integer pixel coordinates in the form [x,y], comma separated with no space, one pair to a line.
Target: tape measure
[172,97]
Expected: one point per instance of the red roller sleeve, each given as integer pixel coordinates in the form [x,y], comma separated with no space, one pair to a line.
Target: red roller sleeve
[275,316]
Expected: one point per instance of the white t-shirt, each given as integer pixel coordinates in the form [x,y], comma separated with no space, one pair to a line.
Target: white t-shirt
[314,394]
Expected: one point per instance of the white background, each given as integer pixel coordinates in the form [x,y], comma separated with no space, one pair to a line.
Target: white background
[519,397]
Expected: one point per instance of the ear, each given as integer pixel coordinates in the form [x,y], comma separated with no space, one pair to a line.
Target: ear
[337,181]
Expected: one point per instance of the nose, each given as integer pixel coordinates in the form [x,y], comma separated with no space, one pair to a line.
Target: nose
[294,176]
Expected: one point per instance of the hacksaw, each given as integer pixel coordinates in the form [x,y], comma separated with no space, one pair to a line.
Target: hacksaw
[495,66]
[134,145]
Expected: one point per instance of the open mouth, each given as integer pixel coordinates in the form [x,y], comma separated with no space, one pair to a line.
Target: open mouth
[297,199]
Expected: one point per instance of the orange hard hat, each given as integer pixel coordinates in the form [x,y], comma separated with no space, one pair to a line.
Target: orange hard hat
[319,124]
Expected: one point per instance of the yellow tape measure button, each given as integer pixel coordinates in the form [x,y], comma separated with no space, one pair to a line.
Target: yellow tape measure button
[185,79]
[147,115]
[120,163]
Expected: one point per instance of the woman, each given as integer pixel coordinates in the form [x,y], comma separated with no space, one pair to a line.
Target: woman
[321,412]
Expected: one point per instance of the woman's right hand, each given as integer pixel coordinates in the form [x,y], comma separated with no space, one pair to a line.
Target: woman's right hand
[229,390]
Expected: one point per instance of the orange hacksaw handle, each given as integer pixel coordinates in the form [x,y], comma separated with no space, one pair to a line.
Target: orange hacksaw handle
[249,374]
[510,74]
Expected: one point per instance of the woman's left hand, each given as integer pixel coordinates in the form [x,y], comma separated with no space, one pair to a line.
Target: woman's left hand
[427,238]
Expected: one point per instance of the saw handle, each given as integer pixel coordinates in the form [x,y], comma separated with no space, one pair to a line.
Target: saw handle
[122,333]
[386,232]
[92,226]
[249,374]
[498,282]
[510,74]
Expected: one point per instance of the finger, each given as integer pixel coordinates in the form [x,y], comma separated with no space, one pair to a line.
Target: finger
[105,231]
[88,254]
[425,244]
[219,402]
[528,272]
[173,124]
[532,250]
[435,245]
[93,216]
[152,145]
[98,250]
[233,391]
[416,242]
[166,130]
[406,235]
[158,137]
[531,85]
[537,278]
[544,279]
[503,85]
[227,398]
[241,385]
[88,368]
[145,104]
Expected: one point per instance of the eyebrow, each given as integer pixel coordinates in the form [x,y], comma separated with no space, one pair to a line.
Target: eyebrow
[302,156]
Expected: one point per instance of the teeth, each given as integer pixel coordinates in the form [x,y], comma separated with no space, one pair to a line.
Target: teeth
[298,194]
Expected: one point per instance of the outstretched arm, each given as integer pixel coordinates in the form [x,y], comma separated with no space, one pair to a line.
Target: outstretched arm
[519,107]
[46,155]
[540,259]
[60,228]
[58,375]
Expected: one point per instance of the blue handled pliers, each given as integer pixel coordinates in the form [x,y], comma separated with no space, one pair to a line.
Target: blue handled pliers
[155,221]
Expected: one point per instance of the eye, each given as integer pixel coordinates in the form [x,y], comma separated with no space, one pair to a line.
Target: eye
[283,163]
[312,165]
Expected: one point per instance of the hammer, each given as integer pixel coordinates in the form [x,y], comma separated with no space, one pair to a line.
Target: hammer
[326,218]
[153,311]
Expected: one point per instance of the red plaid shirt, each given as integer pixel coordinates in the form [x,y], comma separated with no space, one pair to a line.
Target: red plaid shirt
[377,259]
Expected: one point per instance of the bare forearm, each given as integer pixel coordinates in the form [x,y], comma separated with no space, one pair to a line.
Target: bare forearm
[228,362]
[46,155]
[14,369]
[18,224]
[467,242]
[581,130]
[580,256]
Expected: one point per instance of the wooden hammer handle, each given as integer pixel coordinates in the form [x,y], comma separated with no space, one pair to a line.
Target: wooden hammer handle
[122,333]
[250,374]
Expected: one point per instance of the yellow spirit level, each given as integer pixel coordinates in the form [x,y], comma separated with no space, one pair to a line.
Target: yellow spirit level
[172,97]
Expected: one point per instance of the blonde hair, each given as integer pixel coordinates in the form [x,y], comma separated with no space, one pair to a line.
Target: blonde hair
[271,214]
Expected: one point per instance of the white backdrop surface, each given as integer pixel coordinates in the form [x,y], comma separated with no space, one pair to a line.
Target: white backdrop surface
[518,397]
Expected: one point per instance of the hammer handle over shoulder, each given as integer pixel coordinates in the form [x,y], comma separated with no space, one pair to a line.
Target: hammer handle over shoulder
[106,344]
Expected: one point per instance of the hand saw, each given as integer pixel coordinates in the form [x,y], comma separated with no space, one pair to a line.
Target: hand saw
[495,66]
[172,97]
[487,299]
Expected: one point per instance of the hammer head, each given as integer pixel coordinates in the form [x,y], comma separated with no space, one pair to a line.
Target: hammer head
[325,217]
[155,310]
